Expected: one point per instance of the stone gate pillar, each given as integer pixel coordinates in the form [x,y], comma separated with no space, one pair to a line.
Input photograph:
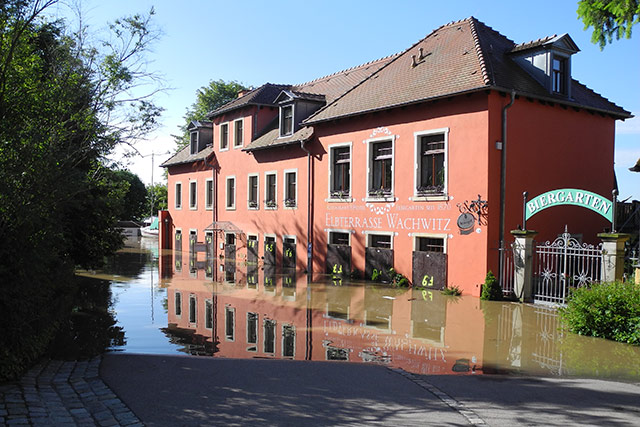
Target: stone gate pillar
[613,255]
[523,264]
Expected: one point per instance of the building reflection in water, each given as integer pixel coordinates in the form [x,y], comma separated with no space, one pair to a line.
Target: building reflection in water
[253,311]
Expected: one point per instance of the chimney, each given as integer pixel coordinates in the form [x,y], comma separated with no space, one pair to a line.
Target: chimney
[243,93]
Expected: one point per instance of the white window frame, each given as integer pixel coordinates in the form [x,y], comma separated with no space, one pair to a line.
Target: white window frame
[208,196]
[177,294]
[221,126]
[228,309]
[194,298]
[257,176]
[368,235]
[285,187]
[416,170]
[264,241]
[257,329]
[370,142]
[177,200]
[231,207]
[208,301]
[193,204]
[338,230]
[266,190]
[444,237]
[293,120]
[293,327]
[348,198]
[235,136]
[275,335]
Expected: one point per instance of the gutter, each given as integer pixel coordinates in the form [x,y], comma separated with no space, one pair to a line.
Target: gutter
[617,114]
[503,178]
[214,210]
[309,213]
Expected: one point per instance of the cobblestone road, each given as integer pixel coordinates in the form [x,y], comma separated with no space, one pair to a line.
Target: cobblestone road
[63,394]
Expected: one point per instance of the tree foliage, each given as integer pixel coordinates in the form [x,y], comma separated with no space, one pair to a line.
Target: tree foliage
[134,202]
[609,18]
[208,99]
[157,197]
[64,106]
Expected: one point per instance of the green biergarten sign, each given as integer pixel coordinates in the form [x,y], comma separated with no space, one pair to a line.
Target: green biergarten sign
[570,196]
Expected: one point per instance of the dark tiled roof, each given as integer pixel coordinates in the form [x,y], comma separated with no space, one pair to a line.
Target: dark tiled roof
[459,57]
[196,124]
[264,95]
[328,88]
[270,137]
[334,85]
[185,156]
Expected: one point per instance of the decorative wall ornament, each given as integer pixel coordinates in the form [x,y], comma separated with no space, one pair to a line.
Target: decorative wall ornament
[380,131]
[470,212]
[379,208]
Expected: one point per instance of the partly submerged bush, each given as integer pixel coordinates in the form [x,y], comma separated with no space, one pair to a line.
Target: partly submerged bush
[605,310]
[491,289]
[452,290]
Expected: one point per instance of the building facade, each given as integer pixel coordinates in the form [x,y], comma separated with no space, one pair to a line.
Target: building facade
[416,162]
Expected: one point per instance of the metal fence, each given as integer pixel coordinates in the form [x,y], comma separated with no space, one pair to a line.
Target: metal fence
[564,264]
[506,274]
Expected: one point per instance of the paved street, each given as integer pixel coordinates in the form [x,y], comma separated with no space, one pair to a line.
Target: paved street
[128,389]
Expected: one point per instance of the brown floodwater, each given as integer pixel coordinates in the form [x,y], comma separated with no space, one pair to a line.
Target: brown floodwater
[239,311]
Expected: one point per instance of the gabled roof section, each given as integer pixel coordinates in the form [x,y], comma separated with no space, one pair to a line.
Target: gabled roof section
[290,95]
[184,156]
[325,88]
[460,57]
[562,42]
[334,85]
[199,124]
[264,95]
[270,137]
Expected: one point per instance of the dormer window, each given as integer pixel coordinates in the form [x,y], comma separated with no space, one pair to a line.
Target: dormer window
[559,74]
[194,142]
[548,60]
[286,120]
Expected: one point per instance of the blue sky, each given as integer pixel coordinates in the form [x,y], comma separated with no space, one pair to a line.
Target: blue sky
[254,42]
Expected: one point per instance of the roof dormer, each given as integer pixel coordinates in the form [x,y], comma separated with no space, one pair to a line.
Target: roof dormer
[294,108]
[200,135]
[548,60]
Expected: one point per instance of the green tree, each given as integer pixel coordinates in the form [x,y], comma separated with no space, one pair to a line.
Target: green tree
[64,106]
[157,197]
[609,18]
[208,98]
[135,198]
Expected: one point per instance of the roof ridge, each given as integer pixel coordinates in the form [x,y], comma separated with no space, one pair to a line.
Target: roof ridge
[345,70]
[540,40]
[476,42]
[397,55]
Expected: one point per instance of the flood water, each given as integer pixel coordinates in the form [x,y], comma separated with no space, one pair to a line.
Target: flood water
[258,313]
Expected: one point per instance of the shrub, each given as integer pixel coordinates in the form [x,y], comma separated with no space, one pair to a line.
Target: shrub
[491,289]
[605,310]
[452,290]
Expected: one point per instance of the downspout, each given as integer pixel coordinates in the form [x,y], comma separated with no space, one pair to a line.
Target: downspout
[214,213]
[309,343]
[503,179]
[309,211]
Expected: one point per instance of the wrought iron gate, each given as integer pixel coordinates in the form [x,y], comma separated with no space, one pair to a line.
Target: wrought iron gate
[564,264]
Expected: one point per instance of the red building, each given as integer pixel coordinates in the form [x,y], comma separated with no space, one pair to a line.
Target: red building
[417,161]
